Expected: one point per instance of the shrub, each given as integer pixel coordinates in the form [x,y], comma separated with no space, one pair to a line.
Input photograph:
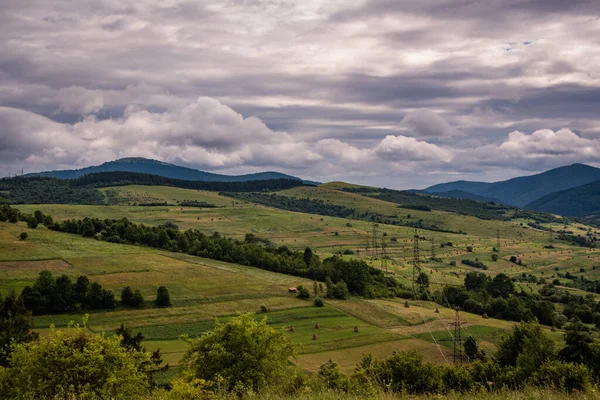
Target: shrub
[23,235]
[73,364]
[303,293]
[563,376]
[243,351]
[319,302]
[470,249]
[494,257]
[32,223]
[163,299]
[264,309]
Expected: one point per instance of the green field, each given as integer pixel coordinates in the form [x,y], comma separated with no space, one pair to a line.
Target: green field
[202,289]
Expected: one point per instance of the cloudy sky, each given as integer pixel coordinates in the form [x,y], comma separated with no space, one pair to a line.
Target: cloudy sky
[395,93]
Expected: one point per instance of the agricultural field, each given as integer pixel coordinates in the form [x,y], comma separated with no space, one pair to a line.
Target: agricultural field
[203,289]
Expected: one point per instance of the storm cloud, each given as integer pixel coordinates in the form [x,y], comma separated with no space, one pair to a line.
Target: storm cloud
[394,93]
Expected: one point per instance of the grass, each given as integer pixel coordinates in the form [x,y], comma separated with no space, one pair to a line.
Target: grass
[203,289]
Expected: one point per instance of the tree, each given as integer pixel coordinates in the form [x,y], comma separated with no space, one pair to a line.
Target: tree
[308,255]
[472,350]
[16,323]
[475,281]
[494,257]
[243,352]
[73,364]
[32,223]
[127,296]
[501,286]
[423,281]
[303,293]
[162,297]
[39,216]
[527,347]
[23,235]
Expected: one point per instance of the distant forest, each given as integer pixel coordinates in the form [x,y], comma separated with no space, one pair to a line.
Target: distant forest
[83,190]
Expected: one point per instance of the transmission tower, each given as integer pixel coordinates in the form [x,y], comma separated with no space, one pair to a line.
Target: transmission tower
[375,242]
[498,239]
[416,260]
[384,257]
[458,352]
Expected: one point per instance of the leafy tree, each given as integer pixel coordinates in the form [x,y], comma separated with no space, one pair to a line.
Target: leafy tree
[16,323]
[133,343]
[303,293]
[243,351]
[32,223]
[472,350]
[127,295]
[527,347]
[423,280]
[73,364]
[501,286]
[163,299]
[475,281]
[319,302]
[23,235]
[308,255]
[39,216]
[494,257]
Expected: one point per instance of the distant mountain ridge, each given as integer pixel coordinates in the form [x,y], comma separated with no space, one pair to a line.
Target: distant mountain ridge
[524,190]
[580,201]
[155,167]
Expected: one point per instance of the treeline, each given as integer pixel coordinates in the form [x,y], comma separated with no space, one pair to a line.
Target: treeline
[59,295]
[497,297]
[320,207]
[83,190]
[41,190]
[360,278]
[117,178]
[488,211]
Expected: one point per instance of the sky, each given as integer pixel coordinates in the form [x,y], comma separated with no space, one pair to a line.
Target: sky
[394,93]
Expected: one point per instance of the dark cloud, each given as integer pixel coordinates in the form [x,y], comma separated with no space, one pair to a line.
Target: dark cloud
[371,92]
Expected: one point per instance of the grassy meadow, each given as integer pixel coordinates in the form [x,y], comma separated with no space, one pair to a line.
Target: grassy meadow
[202,289]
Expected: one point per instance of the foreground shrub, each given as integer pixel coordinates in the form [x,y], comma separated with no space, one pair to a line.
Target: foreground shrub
[563,376]
[73,364]
[243,352]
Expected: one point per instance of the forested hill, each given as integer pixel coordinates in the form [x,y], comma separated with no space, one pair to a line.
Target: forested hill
[83,190]
[577,202]
[526,189]
[154,167]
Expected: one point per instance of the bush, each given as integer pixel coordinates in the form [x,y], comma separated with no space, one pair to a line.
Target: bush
[494,257]
[32,223]
[563,376]
[23,235]
[163,299]
[470,249]
[303,293]
[264,309]
[73,364]
[319,302]
[243,352]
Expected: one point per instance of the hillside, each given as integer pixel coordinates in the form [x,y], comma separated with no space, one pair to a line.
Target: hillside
[577,202]
[461,194]
[526,189]
[154,167]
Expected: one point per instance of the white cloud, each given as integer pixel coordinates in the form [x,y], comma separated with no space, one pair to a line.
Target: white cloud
[401,148]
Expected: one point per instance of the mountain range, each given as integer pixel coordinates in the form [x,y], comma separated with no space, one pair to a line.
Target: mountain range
[154,167]
[537,192]
[572,190]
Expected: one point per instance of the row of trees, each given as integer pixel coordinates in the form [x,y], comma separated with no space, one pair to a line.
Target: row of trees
[359,277]
[246,354]
[58,295]
[496,297]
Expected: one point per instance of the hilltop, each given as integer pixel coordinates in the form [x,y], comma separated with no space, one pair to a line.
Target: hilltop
[155,167]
